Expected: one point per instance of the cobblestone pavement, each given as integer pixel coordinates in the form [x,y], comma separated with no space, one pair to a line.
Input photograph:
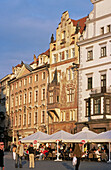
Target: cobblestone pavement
[52,165]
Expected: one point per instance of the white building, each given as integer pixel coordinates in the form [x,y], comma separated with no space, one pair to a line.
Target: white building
[94,90]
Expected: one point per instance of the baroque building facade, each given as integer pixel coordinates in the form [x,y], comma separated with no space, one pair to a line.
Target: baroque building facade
[28,102]
[94,99]
[62,88]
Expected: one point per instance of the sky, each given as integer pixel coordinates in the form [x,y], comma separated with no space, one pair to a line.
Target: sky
[26,27]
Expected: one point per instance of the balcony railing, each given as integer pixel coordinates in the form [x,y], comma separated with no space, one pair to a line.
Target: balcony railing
[98,90]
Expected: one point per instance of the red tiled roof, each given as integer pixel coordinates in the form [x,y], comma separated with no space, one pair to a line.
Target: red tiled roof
[81,23]
[46,52]
[19,65]
[37,60]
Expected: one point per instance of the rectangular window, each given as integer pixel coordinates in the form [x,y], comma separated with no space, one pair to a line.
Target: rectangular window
[73,52]
[43,75]
[43,94]
[67,55]
[36,96]
[16,120]
[71,115]
[60,56]
[30,97]
[50,97]
[88,107]
[97,106]
[54,58]
[24,120]
[25,82]
[30,79]
[25,98]
[63,55]
[35,118]
[36,77]
[29,119]
[103,83]
[109,28]
[103,51]
[20,100]
[70,95]
[43,117]
[90,55]
[102,30]
[20,83]
[16,101]
[107,106]
[89,82]
[19,120]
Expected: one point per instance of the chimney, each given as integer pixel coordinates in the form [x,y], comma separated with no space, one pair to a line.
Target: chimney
[12,69]
[35,58]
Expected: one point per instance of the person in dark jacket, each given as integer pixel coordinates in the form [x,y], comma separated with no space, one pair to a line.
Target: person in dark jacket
[78,154]
[2,155]
[31,155]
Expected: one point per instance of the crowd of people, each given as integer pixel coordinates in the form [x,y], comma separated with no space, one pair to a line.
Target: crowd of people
[43,152]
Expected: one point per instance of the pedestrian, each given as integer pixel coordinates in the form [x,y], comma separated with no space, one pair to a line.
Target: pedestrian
[31,151]
[2,155]
[19,155]
[78,154]
[14,152]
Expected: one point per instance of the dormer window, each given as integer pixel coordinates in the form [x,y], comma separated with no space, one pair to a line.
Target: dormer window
[63,35]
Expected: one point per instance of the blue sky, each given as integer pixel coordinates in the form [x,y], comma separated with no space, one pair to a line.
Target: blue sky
[27,25]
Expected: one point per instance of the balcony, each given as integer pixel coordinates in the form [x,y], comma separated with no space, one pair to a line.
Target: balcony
[99,90]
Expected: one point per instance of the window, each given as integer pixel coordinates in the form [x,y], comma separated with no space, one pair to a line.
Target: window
[73,52]
[25,98]
[67,56]
[36,96]
[103,83]
[16,101]
[107,102]
[97,106]
[29,118]
[88,107]
[71,115]
[30,97]
[36,77]
[102,30]
[63,35]
[12,86]
[50,97]
[20,83]
[43,94]
[35,118]
[109,28]
[19,120]
[60,56]
[63,116]
[12,122]
[70,95]
[54,58]
[43,117]
[20,100]
[89,82]
[24,119]
[57,98]
[25,82]
[30,80]
[89,55]
[16,120]
[43,75]
[103,51]
[16,85]
[24,109]
[63,55]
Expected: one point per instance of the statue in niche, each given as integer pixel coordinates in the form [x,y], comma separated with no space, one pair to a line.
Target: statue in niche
[52,38]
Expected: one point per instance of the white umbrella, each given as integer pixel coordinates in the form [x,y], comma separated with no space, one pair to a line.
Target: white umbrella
[56,137]
[104,137]
[34,137]
[85,134]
